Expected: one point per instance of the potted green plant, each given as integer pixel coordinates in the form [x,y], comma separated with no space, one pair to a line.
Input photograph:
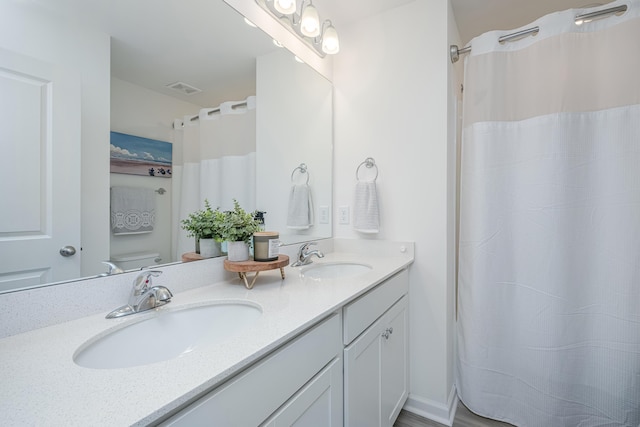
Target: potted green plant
[205,225]
[237,230]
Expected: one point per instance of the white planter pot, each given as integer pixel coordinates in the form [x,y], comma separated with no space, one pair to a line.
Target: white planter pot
[237,251]
[209,248]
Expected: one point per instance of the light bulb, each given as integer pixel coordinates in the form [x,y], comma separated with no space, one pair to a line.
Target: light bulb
[310,21]
[285,6]
[330,42]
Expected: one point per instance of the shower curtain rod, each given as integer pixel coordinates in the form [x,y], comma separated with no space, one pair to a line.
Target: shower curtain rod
[216,110]
[455,53]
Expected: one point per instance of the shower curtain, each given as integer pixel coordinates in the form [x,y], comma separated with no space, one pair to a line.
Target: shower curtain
[218,163]
[549,258]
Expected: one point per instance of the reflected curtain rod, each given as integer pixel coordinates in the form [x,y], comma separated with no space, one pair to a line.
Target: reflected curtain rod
[217,110]
[455,53]
[214,111]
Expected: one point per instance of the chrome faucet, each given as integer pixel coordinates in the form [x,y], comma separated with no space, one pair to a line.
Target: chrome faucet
[304,254]
[112,269]
[144,296]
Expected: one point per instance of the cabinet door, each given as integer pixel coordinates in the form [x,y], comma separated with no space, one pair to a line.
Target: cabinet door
[376,371]
[362,394]
[394,365]
[319,403]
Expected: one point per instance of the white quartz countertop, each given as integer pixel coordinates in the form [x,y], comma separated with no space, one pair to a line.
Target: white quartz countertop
[41,385]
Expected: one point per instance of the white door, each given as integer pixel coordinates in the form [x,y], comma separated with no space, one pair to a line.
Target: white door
[39,172]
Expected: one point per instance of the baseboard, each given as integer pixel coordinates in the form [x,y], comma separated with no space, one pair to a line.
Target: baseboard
[435,411]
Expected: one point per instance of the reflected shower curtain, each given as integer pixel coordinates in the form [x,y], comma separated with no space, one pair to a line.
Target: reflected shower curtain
[218,163]
[549,261]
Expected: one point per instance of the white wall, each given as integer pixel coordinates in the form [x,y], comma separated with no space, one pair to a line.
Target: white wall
[391,103]
[24,29]
[138,111]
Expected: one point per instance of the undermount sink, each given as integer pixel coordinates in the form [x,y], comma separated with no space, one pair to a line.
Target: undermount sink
[166,335]
[334,270]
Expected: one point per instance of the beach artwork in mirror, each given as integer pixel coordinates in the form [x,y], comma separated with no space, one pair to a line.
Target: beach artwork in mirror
[134,155]
[125,76]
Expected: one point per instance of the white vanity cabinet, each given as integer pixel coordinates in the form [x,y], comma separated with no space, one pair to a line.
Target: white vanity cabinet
[350,369]
[376,375]
[301,381]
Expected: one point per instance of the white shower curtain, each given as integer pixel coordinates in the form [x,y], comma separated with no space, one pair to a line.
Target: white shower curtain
[549,261]
[218,163]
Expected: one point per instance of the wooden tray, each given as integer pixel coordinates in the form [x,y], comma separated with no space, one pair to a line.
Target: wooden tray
[244,267]
[191,256]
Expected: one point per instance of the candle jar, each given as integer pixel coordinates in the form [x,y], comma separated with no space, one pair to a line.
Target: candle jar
[266,246]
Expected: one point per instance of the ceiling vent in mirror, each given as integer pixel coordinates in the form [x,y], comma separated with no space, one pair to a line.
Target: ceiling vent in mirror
[183,88]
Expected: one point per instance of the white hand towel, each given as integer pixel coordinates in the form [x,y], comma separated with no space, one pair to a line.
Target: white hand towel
[300,214]
[133,210]
[366,216]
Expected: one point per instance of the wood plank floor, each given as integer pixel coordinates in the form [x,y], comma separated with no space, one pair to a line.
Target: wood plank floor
[464,418]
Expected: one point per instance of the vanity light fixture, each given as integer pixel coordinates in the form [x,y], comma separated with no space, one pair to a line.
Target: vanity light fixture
[310,21]
[286,7]
[306,25]
[330,42]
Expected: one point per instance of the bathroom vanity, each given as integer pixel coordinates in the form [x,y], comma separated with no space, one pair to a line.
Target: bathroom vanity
[330,342]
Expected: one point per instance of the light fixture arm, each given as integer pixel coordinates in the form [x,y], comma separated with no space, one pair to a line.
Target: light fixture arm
[323,26]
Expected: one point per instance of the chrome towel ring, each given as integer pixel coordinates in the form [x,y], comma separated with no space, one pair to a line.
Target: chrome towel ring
[369,162]
[303,170]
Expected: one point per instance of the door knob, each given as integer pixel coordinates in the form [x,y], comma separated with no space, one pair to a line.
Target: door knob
[67,251]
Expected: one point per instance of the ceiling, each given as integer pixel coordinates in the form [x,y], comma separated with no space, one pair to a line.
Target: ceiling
[205,42]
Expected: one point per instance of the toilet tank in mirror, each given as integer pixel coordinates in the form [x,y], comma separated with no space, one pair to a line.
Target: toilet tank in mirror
[125,70]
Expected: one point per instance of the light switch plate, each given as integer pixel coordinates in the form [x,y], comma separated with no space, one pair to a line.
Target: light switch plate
[323,214]
[343,215]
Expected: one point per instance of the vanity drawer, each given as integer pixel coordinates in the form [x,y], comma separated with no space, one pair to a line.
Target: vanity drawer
[361,313]
[252,396]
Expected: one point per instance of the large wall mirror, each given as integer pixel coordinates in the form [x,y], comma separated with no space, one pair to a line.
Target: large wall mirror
[138,49]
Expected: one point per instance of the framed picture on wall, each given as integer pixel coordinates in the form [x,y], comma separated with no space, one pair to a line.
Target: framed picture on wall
[135,155]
